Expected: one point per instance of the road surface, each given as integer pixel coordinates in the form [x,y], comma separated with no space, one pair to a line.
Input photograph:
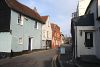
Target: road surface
[34,59]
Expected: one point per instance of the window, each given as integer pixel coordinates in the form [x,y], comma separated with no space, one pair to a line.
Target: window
[88,39]
[20,40]
[26,18]
[36,25]
[20,19]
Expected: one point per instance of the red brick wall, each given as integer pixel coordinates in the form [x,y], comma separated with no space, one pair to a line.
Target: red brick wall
[56,38]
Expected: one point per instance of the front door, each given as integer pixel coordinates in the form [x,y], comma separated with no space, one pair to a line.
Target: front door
[48,43]
[89,39]
[30,44]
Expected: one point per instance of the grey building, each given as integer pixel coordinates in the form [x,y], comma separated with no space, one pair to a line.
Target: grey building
[94,7]
[20,28]
[86,31]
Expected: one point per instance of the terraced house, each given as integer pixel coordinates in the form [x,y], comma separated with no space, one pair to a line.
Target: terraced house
[46,33]
[20,28]
[86,31]
[56,35]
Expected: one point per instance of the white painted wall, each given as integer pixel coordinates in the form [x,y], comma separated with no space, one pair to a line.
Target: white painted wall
[81,49]
[47,27]
[98,8]
[93,9]
[5,42]
[46,36]
[83,4]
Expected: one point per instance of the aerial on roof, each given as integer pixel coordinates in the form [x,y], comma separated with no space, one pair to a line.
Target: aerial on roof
[44,18]
[15,5]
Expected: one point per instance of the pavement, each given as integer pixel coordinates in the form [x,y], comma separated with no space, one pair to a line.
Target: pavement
[34,59]
[88,61]
[67,60]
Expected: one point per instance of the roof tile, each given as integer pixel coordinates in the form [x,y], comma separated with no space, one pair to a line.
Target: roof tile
[15,5]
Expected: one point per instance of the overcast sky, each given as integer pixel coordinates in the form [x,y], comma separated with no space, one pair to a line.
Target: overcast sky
[60,11]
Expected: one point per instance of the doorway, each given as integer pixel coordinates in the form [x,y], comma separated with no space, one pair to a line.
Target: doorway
[30,43]
[89,39]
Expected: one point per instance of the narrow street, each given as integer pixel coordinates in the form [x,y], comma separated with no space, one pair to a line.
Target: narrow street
[35,59]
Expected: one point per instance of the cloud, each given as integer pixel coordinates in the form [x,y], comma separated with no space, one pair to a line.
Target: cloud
[60,11]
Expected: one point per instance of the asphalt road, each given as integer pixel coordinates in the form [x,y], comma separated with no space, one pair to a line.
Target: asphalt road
[34,59]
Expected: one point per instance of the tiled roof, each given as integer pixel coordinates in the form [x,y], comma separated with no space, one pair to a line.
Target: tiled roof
[44,18]
[86,20]
[15,5]
[54,26]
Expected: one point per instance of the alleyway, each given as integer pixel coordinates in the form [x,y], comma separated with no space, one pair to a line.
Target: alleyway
[35,59]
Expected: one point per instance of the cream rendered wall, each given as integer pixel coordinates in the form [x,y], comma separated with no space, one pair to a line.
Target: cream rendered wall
[81,49]
[83,4]
[46,28]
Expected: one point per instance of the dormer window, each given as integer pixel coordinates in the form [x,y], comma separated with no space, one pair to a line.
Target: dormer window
[20,19]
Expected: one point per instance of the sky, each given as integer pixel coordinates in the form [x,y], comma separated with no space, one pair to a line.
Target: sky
[60,11]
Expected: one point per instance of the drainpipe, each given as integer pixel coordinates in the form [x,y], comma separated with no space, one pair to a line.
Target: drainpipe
[75,50]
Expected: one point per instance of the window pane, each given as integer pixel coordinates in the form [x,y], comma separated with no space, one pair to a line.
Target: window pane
[88,39]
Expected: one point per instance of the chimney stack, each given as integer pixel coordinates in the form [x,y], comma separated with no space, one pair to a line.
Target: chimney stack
[35,9]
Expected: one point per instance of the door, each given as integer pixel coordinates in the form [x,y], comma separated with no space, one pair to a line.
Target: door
[48,43]
[30,43]
[89,39]
[85,44]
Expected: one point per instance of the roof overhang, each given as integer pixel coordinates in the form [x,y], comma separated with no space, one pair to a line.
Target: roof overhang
[85,20]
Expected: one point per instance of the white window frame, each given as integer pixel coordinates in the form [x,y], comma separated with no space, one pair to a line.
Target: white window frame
[20,19]
[20,40]
[36,25]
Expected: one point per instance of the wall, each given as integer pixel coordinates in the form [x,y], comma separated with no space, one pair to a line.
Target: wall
[46,32]
[56,38]
[25,31]
[46,27]
[82,6]
[93,9]
[17,32]
[5,42]
[37,37]
[4,17]
[81,49]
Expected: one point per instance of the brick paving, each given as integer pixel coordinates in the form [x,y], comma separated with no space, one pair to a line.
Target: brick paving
[34,59]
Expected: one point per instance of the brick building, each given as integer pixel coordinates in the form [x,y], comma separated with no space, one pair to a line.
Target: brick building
[56,38]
